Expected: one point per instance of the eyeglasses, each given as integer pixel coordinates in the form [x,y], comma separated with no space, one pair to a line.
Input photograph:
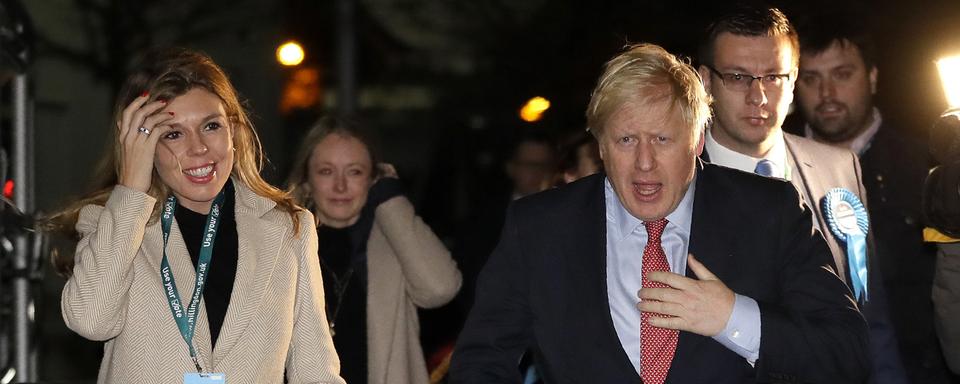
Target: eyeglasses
[740,82]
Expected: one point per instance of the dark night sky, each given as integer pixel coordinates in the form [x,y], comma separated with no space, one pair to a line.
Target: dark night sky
[557,49]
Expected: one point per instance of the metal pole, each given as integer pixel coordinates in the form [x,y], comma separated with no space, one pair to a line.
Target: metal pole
[5,340]
[34,242]
[346,57]
[21,283]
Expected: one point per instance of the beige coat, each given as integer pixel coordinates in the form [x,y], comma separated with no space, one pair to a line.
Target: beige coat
[275,319]
[408,267]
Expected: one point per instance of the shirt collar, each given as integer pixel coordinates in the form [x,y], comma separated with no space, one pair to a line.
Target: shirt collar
[732,159]
[623,223]
[861,143]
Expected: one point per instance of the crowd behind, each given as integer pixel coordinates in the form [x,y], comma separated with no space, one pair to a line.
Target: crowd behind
[326,278]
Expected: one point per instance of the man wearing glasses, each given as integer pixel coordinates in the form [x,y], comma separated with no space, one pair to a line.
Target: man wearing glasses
[749,65]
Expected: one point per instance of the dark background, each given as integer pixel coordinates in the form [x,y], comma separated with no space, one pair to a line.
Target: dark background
[441,81]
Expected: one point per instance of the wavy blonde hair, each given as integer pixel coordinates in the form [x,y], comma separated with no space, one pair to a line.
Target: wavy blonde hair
[166,74]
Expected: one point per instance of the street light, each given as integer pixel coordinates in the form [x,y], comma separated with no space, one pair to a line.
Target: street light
[945,133]
[949,68]
[940,190]
[533,110]
[290,53]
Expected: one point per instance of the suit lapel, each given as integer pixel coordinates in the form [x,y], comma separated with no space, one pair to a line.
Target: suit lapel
[803,171]
[595,245]
[152,245]
[712,240]
[258,248]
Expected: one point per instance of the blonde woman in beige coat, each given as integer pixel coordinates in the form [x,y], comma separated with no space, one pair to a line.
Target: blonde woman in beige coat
[181,196]
[379,260]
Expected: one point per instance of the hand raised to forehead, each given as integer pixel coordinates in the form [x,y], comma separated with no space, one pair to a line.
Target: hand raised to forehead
[140,127]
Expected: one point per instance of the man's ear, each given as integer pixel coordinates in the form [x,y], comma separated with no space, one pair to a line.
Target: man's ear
[873,80]
[698,150]
[705,77]
[601,150]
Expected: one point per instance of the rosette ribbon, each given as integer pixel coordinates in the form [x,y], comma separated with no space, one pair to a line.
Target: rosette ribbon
[848,221]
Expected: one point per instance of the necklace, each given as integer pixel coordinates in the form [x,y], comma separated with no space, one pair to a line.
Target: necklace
[340,286]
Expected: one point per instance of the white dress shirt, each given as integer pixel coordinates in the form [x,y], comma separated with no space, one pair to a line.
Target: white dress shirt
[729,158]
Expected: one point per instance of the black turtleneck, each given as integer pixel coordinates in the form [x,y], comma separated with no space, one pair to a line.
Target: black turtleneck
[344,275]
[223,264]
[343,263]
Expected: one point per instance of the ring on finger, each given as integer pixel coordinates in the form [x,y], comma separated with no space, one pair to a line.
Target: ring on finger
[144,131]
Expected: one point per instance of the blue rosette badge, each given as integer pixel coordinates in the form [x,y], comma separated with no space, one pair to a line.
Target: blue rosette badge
[848,221]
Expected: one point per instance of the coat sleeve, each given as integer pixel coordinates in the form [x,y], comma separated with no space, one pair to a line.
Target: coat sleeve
[94,299]
[498,329]
[431,276]
[813,332]
[946,302]
[312,357]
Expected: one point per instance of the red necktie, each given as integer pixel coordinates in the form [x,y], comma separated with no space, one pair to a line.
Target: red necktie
[657,345]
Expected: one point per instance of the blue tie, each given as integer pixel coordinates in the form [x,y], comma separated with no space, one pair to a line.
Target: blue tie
[764,168]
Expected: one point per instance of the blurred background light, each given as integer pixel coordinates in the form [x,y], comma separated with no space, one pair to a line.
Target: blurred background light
[534,108]
[303,90]
[290,54]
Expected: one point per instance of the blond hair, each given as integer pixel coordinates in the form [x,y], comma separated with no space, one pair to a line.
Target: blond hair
[636,74]
[298,180]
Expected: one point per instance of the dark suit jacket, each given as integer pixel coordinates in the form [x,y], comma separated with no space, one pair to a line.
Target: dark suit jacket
[894,166]
[544,287]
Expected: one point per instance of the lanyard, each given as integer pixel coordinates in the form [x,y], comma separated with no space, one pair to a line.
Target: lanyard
[186,320]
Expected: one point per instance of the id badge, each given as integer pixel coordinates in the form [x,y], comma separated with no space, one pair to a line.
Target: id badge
[204,378]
